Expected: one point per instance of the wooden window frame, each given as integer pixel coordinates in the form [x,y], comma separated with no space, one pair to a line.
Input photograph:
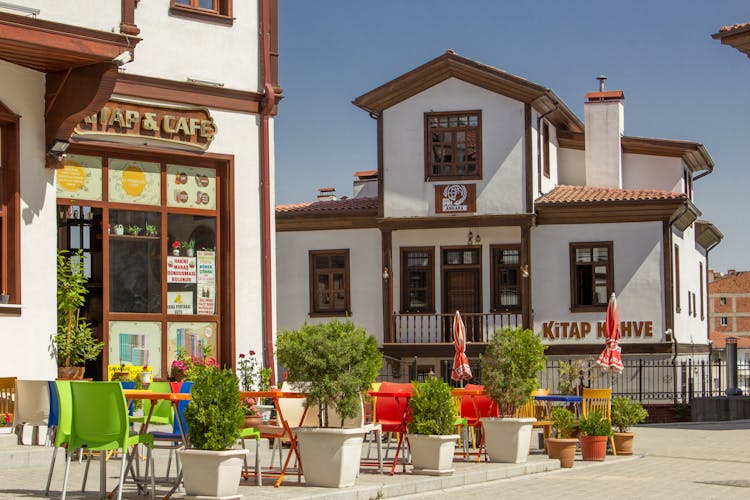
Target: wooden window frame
[314,312]
[677,304]
[610,264]
[428,163]
[10,211]
[545,150]
[444,268]
[494,269]
[430,268]
[221,12]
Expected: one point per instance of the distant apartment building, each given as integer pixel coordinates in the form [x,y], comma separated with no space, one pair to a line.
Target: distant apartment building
[729,303]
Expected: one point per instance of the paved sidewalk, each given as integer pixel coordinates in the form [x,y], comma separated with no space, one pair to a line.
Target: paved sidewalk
[686,460]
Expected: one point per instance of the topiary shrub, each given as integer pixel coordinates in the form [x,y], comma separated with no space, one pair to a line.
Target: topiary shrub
[563,422]
[627,412]
[594,425]
[433,411]
[214,414]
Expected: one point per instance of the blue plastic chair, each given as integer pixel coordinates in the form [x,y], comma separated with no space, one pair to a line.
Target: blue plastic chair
[54,413]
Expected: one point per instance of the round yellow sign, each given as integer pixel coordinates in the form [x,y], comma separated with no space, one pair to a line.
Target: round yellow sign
[133,180]
[71,177]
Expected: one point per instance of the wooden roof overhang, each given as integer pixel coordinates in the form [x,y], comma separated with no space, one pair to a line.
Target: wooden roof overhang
[78,62]
[737,36]
[707,235]
[451,65]
[680,211]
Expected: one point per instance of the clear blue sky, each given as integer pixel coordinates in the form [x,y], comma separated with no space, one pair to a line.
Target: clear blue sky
[679,83]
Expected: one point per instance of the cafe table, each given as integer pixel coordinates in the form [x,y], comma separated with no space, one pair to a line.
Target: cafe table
[549,399]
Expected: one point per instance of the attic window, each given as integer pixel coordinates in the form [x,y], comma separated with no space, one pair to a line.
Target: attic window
[453,145]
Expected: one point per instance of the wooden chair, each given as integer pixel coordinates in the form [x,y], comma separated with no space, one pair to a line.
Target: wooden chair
[598,400]
[7,396]
[536,409]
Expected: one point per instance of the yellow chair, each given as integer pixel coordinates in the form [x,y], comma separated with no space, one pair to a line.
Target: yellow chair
[537,409]
[598,400]
[7,396]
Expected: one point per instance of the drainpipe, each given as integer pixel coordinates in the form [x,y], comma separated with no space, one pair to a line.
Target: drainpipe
[539,143]
[266,210]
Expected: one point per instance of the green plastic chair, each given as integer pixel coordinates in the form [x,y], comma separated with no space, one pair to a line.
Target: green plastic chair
[163,414]
[62,433]
[100,423]
[252,433]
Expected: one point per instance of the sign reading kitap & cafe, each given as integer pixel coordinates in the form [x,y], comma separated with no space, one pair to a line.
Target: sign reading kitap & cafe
[190,127]
[583,330]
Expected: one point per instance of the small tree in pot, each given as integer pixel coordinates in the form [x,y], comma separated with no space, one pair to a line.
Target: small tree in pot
[213,416]
[510,369]
[562,447]
[595,431]
[625,414]
[432,434]
[337,362]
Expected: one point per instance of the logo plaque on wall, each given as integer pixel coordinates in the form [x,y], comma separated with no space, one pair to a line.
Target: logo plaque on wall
[455,198]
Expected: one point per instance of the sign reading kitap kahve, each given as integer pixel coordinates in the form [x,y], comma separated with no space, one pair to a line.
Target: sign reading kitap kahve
[189,127]
[583,330]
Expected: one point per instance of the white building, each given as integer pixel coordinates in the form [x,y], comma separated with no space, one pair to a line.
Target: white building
[495,199]
[166,110]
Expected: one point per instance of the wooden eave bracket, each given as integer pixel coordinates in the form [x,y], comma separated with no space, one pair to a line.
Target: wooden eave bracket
[707,235]
[73,94]
[685,215]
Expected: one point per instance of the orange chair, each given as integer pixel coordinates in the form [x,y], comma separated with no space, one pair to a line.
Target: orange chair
[7,396]
[475,407]
[390,412]
[598,400]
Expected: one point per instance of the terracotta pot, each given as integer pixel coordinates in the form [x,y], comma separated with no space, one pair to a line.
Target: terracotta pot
[593,448]
[254,421]
[70,372]
[563,450]
[624,443]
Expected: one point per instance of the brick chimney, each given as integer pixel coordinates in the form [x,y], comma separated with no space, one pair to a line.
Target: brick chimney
[326,194]
[604,116]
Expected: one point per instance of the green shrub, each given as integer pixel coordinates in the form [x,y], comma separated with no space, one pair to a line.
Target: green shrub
[571,376]
[627,412]
[510,367]
[563,422]
[432,408]
[595,425]
[214,414]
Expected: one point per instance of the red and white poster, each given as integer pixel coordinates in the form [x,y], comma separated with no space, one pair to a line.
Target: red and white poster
[181,269]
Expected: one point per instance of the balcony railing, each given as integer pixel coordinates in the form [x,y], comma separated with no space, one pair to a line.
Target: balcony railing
[434,328]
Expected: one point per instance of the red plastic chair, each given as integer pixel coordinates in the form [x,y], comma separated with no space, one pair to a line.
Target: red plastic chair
[391,413]
[475,407]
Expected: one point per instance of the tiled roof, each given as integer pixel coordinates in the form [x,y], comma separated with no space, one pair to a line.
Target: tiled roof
[719,340]
[735,283]
[733,27]
[366,173]
[351,205]
[584,194]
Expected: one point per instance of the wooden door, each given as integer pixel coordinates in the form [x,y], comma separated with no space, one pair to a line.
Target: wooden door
[461,288]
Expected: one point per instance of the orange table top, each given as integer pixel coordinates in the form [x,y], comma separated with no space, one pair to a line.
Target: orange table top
[153,396]
[467,392]
[272,394]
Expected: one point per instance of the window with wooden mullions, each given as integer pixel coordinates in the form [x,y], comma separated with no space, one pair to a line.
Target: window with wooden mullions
[506,271]
[417,286]
[453,145]
[329,279]
[220,7]
[591,275]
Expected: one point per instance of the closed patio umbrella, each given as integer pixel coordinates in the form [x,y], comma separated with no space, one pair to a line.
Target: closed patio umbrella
[461,369]
[610,358]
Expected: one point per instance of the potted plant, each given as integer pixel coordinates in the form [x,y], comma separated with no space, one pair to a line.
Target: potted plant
[189,247]
[595,431]
[133,230]
[176,245]
[211,469]
[151,230]
[570,376]
[75,343]
[510,367]
[625,414]
[337,362]
[562,447]
[432,437]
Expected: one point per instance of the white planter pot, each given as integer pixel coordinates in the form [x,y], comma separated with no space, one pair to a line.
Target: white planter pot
[507,439]
[330,456]
[432,455]
[212,474]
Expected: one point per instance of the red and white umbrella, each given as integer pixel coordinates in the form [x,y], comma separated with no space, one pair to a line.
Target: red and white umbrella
[611,358]
[461,369]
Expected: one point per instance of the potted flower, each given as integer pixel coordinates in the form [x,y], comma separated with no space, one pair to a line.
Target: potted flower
[337,362]
[562,447]
[133,230]
[74,343]
[510,366]
[176,245]
[210,467]
[432,437]
[145,376]
[189,247]
[251,413]
[625,414]
[595,431]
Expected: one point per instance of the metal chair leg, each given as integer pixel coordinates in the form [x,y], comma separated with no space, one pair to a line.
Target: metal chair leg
[65,480]
[51,468]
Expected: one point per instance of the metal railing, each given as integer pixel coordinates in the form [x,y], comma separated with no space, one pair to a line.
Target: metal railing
[433,328]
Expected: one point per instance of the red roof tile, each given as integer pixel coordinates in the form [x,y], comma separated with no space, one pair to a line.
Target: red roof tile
[583,194]
[734,27]
[366,173]
[735,283]
[324,207]
[719,340]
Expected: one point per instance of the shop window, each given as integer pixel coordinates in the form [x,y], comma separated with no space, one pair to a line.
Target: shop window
[591,275]
[453,148]
[329,282]
[222,8]
[545,138]
[10,258]
[506,272]
[417,279]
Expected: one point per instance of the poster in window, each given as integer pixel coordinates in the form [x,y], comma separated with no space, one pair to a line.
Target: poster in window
[181,269]
[134,182]
[206,282]
[80,178]
[191,187]
[136,343]
[180,302]
[193,337]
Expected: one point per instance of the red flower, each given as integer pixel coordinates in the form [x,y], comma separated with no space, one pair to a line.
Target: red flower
[242,355]
[285,374]
[252,353]
[176,244]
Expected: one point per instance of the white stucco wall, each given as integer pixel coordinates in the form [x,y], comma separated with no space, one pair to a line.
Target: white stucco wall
[102,15]
[571,165]
[27,337]
[407,193]
[689,328]
[293,276]
[662,173]
[638,274]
